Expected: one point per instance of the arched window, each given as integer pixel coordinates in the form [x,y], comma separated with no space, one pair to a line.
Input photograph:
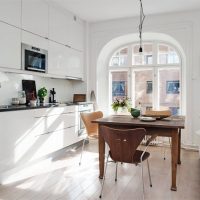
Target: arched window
[151,79]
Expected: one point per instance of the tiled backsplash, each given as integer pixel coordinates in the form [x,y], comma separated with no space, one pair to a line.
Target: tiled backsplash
[11,84]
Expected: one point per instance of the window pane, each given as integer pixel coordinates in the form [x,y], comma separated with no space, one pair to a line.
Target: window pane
[119,58]
[143,88]
[119,84]
[144,58]
[167,55]
[169,89]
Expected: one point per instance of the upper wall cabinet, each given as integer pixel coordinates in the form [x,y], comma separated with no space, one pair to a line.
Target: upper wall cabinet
[35,16]
[65,28]
[59,25]
[10,12]
[76,34]
[10,46]
[34,40]
[64,61]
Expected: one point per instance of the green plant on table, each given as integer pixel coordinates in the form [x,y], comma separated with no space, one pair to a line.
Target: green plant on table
[121,102]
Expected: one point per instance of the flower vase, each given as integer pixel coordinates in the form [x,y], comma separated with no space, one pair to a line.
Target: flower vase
[41,101]
[121,110]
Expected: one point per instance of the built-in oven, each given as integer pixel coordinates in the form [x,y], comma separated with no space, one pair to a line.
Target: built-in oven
[34,58]
[86,107]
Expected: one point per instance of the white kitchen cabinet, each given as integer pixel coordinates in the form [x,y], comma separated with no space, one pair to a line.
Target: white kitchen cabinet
[76,34]
[74,64]
[34,40]
[35,16]
[10,12]
[59,25]
[10,46]
[56,61]
[31,134]
[66,28]
[65,61]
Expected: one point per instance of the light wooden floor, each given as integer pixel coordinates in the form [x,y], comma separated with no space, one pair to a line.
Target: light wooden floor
[63,179]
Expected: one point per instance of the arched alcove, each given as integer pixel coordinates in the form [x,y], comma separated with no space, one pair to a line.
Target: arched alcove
[104,56]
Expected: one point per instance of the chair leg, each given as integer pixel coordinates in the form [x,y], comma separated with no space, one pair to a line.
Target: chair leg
[116,171]
[149,173]
[82,151]
[104,176]
[142,180]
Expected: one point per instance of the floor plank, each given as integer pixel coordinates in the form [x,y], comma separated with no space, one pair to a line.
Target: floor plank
[63,179]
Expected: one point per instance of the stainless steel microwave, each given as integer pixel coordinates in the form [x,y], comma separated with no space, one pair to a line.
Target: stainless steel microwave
[34,58]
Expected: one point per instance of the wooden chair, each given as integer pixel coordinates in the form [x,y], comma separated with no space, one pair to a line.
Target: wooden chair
[91,128]
[161,114]
[123,146]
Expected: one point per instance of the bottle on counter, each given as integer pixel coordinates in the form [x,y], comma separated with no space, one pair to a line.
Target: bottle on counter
[22,97]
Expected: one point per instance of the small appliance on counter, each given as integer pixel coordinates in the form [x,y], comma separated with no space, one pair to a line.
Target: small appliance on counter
[22,97]
[30,90]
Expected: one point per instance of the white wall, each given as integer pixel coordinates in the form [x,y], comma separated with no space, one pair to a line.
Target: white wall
[12,83]
[183,28]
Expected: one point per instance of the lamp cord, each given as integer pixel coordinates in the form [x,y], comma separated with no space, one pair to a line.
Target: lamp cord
[142,17]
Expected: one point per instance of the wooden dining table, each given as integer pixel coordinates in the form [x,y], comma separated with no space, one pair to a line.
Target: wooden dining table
[169,127]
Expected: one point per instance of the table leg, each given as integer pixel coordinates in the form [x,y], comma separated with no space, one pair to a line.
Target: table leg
[174,157]
[101,154]
[179,146]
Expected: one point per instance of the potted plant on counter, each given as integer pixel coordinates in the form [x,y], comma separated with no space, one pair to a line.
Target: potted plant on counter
[42,93]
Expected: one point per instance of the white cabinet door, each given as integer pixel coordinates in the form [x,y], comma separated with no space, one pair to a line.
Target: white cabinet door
[65,61]
[56,55]
[10,12]
[77,33]
[35,16]
[74,64]
[59,25]
[10,46]
[34,40]
[17,143]
[65,28]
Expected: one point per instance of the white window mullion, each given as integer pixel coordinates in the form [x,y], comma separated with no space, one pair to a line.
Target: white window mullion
[133,88]
[155,102]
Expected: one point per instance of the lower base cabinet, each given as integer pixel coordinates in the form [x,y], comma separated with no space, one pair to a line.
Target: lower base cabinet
[29,135]
[53,141]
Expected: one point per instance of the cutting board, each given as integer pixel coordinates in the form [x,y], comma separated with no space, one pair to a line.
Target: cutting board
[30,89]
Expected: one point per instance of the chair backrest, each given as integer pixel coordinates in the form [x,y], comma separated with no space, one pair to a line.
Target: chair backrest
[123,143]
[91,128]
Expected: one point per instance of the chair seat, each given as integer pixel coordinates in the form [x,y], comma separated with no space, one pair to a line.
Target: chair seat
[136,157]
[95,136]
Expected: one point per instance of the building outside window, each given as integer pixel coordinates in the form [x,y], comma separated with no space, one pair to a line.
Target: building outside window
[152,78]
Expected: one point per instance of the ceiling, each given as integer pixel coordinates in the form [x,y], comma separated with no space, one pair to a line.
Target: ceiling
[101,10]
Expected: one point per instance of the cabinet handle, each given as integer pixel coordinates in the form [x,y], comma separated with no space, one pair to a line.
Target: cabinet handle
[49,132]
[41,117]
[46,116]
[68,46]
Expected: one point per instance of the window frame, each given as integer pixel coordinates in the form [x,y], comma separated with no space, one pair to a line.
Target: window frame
[130,67]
